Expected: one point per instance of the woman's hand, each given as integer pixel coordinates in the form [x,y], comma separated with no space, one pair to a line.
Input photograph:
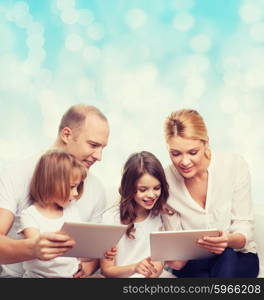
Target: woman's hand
[145,267]
[216,244]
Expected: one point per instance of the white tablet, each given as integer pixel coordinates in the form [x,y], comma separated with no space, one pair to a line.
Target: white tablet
[92,240]
[179,245]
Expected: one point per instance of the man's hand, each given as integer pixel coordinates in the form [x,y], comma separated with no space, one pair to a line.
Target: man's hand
[50,245]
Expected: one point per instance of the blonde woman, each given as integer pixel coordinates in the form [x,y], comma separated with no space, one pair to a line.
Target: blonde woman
[210,190]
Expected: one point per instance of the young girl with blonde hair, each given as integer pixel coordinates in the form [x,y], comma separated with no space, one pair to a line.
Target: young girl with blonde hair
[56,185]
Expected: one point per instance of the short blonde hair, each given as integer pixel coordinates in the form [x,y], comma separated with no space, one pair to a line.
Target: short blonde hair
[186,123]
[52,177]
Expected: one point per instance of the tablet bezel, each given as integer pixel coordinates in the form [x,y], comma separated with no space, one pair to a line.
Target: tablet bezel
[92,240]
[179,245]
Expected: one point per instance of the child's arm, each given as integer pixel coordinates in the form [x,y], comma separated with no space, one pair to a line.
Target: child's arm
[145,267]
[86,268]
[176,264]
[31,233]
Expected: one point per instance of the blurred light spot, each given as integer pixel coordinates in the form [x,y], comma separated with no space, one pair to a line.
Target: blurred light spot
[201,43]
[19,14]
[250,13]
[70,16]
[35,40]
[194,88]
[7,38]
[197,64]
[183,21]
[242,121]
[91,54]
[148,73]
[257,32]
[229,103]
[183,4]
[136,18]
[35,28]
[255,78]
[231,63]
[86,17]
[86,86]
[95,32]
[73,42]
[65,4]
[36,55]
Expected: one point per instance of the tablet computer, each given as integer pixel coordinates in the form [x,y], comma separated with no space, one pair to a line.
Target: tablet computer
[179,245]
[92,240]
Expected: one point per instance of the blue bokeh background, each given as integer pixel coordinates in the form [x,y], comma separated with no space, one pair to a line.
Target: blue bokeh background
[137,61]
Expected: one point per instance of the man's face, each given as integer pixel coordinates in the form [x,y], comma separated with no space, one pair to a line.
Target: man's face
[88,142]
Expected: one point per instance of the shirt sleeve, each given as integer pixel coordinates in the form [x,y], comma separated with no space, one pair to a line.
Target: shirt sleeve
[171,221]
[242,217]
[7,192]
[27,220]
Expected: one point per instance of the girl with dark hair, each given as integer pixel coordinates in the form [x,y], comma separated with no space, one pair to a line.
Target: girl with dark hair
[144,193]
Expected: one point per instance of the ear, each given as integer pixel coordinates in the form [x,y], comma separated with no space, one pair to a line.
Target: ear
[66,135]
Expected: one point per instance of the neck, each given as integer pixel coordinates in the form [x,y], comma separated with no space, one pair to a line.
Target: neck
[141,213]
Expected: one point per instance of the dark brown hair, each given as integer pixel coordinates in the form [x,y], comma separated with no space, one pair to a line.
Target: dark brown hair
[137,165]
[52,177]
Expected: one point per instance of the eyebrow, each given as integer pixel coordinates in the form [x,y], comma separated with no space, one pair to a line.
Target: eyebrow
[192,149]
[96,143]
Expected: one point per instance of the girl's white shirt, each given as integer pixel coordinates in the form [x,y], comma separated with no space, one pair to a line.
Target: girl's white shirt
[228,202]
[131,251]
[60,266]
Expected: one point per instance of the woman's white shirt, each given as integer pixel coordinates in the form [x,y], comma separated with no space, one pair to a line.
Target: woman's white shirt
[228,202]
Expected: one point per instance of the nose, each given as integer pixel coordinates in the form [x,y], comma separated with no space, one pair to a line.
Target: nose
[185,161]
[151,194]
[97,155]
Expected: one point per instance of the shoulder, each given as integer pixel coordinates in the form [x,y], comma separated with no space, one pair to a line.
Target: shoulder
[93,179]
[94,183]
[112,215]
[21,169]
[228,159]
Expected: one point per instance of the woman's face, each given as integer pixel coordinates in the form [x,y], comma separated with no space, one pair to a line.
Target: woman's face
[148,190]
[187,155]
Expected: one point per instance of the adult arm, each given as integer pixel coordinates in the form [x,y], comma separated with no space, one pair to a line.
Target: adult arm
[242,220]
[45,246]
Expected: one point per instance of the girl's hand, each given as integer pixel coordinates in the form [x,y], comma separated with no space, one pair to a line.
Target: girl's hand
[145,267]
[111,254]
[80,272]
[176,264]
[215,244]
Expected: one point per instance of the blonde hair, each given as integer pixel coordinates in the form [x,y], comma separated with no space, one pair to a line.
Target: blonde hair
[52,177]
[75,116]
[186,123]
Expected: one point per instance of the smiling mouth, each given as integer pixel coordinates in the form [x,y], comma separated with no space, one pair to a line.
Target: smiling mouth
[149,202]
[186,170]
[88,163]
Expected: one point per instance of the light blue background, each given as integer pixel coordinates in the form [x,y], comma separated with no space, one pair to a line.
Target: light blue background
[137,61]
